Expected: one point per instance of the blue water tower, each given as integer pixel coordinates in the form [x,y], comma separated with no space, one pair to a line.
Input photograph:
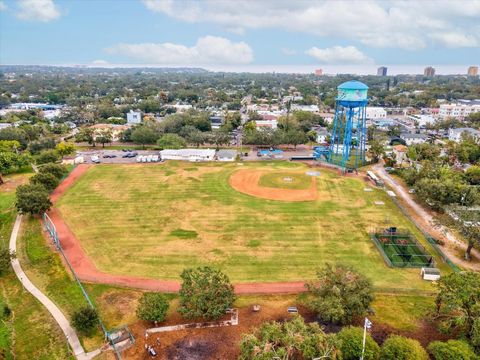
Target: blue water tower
[349,135]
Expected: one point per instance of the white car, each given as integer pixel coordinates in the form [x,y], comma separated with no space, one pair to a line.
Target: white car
[139,158]
[155,158]
[95,159]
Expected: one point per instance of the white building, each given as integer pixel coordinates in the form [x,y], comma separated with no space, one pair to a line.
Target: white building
[412,139]
[322,135]
[375,112]
[193,155]
[262,124]
[423,120]
[458,110]
[134,117]
[226,155]
[307,108]
[456,134]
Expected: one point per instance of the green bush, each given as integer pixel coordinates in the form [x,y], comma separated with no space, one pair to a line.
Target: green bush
[401,348]
[48,181]
[47,156]
[57,170]
[85,320]
[152,307]
[351,339]
[451,350]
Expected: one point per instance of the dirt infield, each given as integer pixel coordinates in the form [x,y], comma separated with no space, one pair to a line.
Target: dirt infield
[87,271]
[247,181]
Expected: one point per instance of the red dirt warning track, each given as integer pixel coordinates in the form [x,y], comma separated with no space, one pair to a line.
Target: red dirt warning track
[86,270]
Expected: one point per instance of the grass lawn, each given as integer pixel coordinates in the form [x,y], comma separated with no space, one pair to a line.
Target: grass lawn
[155,220]
[284,180]
[29,332]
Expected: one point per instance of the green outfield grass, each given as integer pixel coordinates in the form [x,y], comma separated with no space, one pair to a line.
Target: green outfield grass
[285,180]
[155,220]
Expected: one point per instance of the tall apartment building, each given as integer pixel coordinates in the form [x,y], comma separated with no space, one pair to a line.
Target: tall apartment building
[473,71]
[382,71]
[458,110]
[319,72]
[429,71]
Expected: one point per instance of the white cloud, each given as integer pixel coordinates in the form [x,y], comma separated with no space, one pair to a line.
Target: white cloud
[100,62]
[208,50]
[288,51]
[3,7]
[453,39]
[37,10]
[377,23]
[339,55]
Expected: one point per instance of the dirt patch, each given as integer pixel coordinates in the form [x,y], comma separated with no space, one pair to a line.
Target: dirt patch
[191,349]
[247,181]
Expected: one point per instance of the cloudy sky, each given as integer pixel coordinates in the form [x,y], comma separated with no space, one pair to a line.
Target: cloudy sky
[236,34]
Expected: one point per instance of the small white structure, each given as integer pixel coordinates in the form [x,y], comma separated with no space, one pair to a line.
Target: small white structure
[134,117]
[430,274]
[321,136]
[226,155]
[261,124]
[79,160]
[412,139]
[188,154]
[456,134]
[375,112]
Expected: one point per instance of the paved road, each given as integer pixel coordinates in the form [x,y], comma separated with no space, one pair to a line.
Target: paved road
[62,321]
[423,214]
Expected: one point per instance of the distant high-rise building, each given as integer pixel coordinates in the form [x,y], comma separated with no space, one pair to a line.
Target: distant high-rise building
[319,72]
[382,71]
[473,71]
[429,71]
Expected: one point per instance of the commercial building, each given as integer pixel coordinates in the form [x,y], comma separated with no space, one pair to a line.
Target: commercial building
[269,124]
[382,71]
[422,120]
[134,117]
[456,134]
[458,110]
[429,71]
[226,155]
[375,112]
[307,108]
[473,71]
[193,155]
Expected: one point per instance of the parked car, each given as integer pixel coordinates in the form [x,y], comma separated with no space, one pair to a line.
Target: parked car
[95,159]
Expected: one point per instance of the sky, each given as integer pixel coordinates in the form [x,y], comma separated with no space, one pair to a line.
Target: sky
[244,35]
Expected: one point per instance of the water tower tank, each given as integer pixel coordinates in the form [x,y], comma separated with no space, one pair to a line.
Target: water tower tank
[352,93]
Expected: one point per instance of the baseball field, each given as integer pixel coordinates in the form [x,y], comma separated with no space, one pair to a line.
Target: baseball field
[257,221]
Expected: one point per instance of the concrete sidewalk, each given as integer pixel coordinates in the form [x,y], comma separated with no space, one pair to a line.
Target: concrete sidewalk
[62,321]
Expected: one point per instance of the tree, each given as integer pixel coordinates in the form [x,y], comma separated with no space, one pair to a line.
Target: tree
[472,175]
[144,135]
[472,235]
[196,137]
[376,150]
[339,294]
[351,343]
[86,134]
[5,257]
[48,181]
[33,199]
[56,170]
[171,141]
[289,340]
[458,306]
[398,347]
[152,307]
[47,156]
[451,350]
[85,320]
[104,136]
[64,148]
[295,137]
[205,292]
[219,138]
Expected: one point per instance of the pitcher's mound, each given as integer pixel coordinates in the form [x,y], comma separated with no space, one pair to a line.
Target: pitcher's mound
[247,181]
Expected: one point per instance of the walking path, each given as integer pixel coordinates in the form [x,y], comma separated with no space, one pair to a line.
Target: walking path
[426,221]
[62,321]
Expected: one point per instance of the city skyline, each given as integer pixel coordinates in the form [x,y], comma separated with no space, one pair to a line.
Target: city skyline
[221,35]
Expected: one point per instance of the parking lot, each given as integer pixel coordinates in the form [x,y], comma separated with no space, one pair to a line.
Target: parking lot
[115,156]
